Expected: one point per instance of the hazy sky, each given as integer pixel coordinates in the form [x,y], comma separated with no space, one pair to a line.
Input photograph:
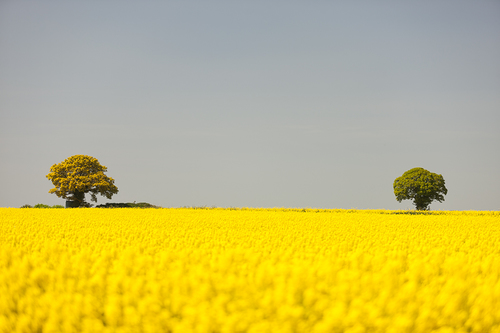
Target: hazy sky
[317,104]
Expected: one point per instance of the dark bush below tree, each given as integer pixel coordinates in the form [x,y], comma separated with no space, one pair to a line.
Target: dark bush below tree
[126,205]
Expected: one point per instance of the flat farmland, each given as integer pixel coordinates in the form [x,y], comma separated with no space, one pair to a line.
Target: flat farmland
[248,270]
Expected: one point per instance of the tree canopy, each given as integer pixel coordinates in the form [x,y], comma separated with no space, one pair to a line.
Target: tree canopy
[421,186]
[80,174]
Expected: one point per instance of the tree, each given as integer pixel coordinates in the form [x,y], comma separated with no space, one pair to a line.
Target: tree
[78,175]
[421,186]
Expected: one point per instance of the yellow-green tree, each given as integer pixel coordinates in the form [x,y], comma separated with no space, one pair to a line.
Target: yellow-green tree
[421,186]
[80,174]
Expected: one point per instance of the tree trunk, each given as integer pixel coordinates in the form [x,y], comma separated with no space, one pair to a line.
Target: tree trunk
[72,204]
[78,200]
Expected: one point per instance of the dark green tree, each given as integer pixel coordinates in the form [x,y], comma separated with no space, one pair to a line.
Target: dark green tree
[421,186]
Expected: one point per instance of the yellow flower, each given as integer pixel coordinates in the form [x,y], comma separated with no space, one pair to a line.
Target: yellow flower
[248,270]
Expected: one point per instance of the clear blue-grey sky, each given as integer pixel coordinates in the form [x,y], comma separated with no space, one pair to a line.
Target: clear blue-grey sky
[316,104]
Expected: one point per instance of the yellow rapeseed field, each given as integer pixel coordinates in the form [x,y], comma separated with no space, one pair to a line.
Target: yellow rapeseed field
[248,270]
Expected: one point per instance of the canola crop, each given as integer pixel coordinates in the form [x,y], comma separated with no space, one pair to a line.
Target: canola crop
[248,270]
